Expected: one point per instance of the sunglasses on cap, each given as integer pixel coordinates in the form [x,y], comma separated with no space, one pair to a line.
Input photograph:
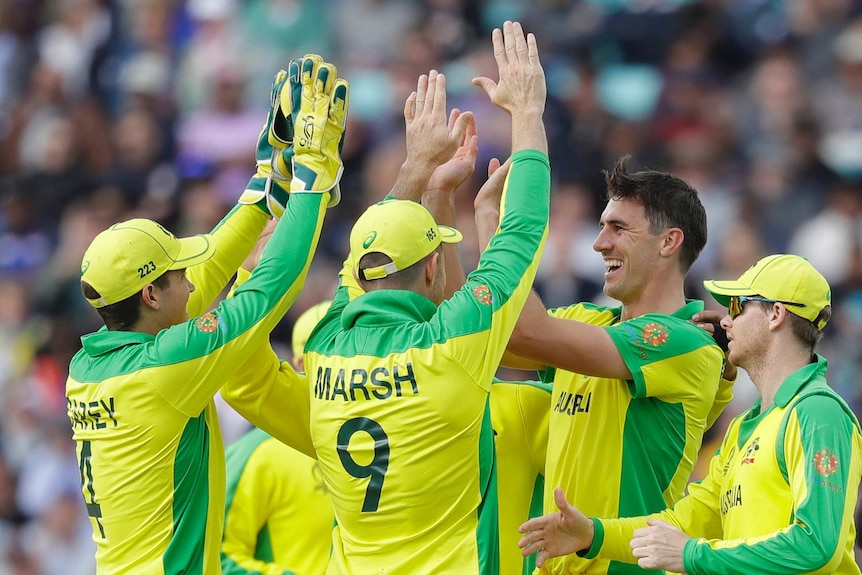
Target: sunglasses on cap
[734,308]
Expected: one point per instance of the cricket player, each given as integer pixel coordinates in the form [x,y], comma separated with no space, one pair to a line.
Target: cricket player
[636,385]
[400,376]
[140,391]
[781,490]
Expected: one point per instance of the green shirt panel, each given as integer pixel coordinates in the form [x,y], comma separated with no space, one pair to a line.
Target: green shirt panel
[620,447]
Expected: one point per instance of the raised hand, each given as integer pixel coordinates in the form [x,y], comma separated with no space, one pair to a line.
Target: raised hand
[319,125]
[521,87]
[431,139]
[449,176]
[260,190]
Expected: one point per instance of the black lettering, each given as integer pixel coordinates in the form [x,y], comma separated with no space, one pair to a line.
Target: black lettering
[559,406]
[321,386]
[399,379]
[589,399]
[81,408]
[566,405]
[576,404]
[376,378]
[95,416]
[109,409]
[358,378]
[731,498]
[338,386]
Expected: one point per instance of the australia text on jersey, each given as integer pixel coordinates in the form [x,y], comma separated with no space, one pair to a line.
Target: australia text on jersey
[572,403]
[380,383]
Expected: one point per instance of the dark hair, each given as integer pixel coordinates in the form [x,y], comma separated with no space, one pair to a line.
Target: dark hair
[668,202]
[124,314]
[402,279]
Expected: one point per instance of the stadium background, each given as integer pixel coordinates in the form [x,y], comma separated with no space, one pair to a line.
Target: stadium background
[114,109]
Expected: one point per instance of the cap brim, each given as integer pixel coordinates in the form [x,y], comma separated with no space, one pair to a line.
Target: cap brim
[722,291]
[193,251]
[450,235]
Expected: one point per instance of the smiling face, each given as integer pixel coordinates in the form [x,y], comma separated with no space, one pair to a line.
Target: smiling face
[630,251]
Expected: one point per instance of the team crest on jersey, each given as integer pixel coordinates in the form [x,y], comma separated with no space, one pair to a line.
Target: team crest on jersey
[207,323]
[825,462]
[748,457]
[483,294]
[654,334]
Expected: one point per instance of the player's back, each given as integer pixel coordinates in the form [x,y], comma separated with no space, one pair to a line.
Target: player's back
[144,465]
[404,441]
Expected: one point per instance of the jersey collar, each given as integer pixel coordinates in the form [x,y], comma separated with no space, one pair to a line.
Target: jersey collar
[813,372]
[381,307]
[104,341]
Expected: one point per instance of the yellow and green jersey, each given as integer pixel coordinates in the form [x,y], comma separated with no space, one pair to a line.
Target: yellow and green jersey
[400,409]
[149,447]
[278,516]
[519,417]
[780,494]
[623,448]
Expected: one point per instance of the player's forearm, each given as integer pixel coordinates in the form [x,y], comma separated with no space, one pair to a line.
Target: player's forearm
[269,394]
[528,130]
[412,179]
[487,221]
[441,204]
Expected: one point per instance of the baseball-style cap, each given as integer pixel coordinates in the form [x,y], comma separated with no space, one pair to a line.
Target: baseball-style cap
[782,278]
[127,256]
[305,324]
[402,230]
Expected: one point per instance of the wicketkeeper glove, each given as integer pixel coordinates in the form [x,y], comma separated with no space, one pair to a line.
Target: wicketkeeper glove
[319,123]
[275,137]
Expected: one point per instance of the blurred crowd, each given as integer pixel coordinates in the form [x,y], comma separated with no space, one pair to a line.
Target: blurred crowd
[111,109]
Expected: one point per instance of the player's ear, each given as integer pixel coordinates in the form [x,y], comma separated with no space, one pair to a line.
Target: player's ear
[431,263]
[672,241]
[149,296]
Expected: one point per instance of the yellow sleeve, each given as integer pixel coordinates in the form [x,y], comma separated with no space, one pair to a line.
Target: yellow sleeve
[234,238]
[271,395]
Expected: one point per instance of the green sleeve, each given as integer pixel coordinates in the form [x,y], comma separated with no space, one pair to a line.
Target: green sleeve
[488,305]
[822,453]
[654,346]
[205,351]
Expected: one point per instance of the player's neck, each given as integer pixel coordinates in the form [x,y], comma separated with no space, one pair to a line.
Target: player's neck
[772,368]
[665,299]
